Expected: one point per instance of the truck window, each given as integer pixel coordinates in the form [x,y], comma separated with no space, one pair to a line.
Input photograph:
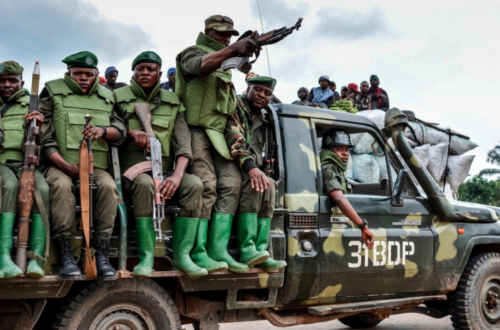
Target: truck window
[367,169]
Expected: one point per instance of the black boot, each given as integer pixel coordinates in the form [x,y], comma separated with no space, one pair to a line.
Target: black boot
[68,269]
[105,271]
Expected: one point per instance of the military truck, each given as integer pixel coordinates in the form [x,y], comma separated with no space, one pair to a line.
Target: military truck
[431,256]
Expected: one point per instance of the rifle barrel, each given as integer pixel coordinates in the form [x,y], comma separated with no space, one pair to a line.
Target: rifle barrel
[35,84]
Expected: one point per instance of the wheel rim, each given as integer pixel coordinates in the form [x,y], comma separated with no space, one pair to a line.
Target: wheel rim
[123,317]
[490,301]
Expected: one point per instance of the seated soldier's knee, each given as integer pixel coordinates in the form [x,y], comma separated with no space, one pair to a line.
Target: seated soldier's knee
[144,185]
[10,186]
[108,188]
[62,185]
[210,187]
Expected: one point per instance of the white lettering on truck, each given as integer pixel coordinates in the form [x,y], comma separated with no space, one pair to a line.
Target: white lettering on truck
[391,253]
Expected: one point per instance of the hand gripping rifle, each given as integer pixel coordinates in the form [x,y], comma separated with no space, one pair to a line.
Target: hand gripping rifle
[243,63]
[152,164]
[87,185]
[27,185]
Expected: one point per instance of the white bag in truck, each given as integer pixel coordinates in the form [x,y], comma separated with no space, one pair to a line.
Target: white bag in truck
[382,165]
[422,153]
[365,168]
[349,172]
[459,169]
[377,116]
[437,160]
[363,143]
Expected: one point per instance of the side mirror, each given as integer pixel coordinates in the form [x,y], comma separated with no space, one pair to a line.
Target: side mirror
[396,199]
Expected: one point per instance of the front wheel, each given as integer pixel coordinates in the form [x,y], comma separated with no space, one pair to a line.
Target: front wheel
[476,304]
[361,321]
[135,304]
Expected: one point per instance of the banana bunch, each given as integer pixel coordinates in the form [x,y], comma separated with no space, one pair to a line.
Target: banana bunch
[345,106]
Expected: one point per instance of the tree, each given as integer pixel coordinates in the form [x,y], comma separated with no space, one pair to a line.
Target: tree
[480,190]
[494,158]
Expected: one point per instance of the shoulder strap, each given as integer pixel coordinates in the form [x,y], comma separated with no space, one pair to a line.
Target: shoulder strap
[6,108]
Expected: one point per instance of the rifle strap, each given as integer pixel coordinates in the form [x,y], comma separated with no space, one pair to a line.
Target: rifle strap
[45,218]
[6,108]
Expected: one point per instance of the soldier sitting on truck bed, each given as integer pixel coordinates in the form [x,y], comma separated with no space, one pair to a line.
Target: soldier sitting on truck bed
[245,136]
[14,110]
[64,103]
[334,157]
[169,125]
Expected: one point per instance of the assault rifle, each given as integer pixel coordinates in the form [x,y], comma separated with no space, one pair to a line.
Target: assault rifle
[152,164]
[27,185]
[243,63]
[87,185]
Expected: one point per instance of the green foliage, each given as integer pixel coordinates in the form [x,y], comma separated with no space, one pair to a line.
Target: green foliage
[480,190]
[344,106]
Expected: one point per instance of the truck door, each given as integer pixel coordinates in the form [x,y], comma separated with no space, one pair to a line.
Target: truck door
[401,260]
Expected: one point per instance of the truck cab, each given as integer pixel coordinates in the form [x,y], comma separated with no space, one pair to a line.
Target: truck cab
[431,255]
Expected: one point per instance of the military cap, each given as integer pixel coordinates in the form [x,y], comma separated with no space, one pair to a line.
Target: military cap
[221,23]
[263,81]
[81,60]
[147,57]
[10,68]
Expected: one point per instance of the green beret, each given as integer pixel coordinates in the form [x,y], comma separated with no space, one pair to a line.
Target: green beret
[81,60]
[263,81]
[10,68]
[147,57]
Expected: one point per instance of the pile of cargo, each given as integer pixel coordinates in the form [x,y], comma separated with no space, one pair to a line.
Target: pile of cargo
[345,106]
[440,149]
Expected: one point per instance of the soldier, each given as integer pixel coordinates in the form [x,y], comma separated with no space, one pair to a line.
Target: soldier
[334,157]
[209,97]
[166,110]
[245,136]
[64,103]
[14,111]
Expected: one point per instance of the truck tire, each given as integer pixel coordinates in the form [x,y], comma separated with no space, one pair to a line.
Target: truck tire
[361,321]
[476,304]
[138,304]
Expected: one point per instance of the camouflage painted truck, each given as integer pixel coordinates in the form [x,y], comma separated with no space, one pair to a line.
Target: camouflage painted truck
[431,256]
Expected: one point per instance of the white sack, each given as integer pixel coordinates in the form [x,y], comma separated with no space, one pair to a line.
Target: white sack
[349,172]
[382,165]
[437,160]
[411,143]
[365,168]
[459,169]
[377,116]
[460,146]
[363,144]
[422,153]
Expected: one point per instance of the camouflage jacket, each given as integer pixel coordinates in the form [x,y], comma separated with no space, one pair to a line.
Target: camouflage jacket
[245,136]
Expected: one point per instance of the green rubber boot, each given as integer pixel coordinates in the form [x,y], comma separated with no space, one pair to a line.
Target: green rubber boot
[199,254]
[182,243]
[7,266]
[37,246]
[146,240]
[218,239]
[247,236]
[263,230]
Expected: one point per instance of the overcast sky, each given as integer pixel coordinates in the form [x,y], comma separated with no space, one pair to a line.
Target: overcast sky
[437,58]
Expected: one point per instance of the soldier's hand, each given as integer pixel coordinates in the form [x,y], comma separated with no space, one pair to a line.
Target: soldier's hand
[141,139]
[93,131]
[37,116]
[246,46]
[72,170]
[368,237]
[170,185]
[258,180]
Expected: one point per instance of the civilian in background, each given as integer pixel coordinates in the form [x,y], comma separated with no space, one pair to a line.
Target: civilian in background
[343,92]
[321,96]
[364,97]
[169,85]
[333,87]
[111,75]
[302,93]
[379,97]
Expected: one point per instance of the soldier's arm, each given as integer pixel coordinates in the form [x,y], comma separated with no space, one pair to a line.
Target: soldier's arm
[235,140]
[47,140]
[181,141]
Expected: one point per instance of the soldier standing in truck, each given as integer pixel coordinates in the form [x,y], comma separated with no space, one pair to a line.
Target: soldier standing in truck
[209,96]
[334,157]
[169,125]
[246,137]
[64,103]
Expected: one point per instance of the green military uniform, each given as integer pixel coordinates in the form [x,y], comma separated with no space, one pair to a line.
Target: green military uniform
[333,173]
[64,106]
[11,157]
[169,124]
[209,100]
[246,137]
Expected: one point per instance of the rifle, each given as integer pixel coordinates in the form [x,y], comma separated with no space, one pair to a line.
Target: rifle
[271,154]
[242,63]
[26,196]
[87,185]
[152,164]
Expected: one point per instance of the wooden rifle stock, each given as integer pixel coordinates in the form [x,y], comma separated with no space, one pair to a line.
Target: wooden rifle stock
[86,162]
[143,112]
